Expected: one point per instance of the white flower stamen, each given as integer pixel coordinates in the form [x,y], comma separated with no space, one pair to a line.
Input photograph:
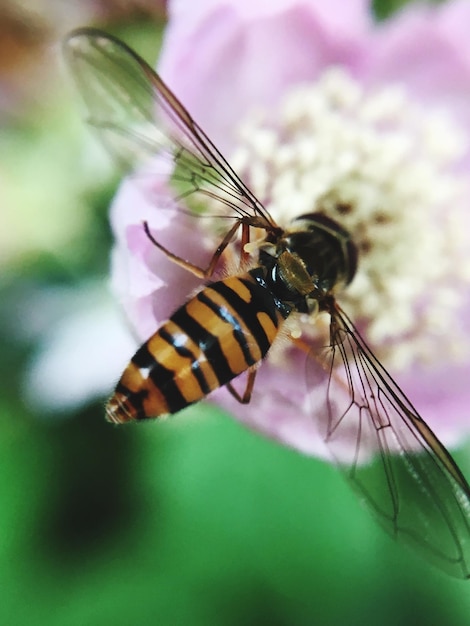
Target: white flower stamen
[384,168]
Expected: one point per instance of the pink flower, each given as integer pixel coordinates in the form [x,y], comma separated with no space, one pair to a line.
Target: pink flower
[361,115]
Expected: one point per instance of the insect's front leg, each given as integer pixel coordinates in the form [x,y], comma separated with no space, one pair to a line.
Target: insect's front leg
[198,271]
[207,272]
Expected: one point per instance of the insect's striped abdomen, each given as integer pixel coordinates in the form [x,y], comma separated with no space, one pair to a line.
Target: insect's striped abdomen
[226,328]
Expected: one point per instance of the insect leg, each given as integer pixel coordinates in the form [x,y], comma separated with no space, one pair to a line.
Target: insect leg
[246,397]
[191,267]
[301,344]
[244,255]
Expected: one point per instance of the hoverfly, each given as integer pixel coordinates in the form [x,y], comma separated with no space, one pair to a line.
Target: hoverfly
[411,484]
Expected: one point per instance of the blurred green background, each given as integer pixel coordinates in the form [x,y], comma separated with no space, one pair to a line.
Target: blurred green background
[195,520]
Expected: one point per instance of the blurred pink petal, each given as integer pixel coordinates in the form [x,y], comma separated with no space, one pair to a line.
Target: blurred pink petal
[428,49]
[81,355]
[224,58]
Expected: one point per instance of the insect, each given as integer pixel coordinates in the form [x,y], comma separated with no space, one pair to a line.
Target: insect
[410,483]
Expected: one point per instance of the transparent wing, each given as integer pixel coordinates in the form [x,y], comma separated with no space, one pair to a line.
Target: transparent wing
[389,455]
[145,127]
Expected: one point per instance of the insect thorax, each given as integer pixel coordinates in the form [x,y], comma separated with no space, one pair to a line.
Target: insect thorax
[308,262]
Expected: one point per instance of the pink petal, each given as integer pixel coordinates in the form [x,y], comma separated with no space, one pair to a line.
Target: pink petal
[428,49]
[222,59]
[143,277]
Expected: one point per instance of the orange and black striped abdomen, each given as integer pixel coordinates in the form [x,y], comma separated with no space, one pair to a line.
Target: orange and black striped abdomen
[226,328]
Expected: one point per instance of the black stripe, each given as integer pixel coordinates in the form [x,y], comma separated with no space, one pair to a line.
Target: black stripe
[225,315]
[208,343]
[186,353]
[136,399]
[266,302]
[162,377]
[143,358]
[261,302]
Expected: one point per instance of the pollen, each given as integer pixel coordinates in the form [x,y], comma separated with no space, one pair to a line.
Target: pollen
[387,170]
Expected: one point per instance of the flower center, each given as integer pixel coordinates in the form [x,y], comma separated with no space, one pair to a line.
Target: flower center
[385,169]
